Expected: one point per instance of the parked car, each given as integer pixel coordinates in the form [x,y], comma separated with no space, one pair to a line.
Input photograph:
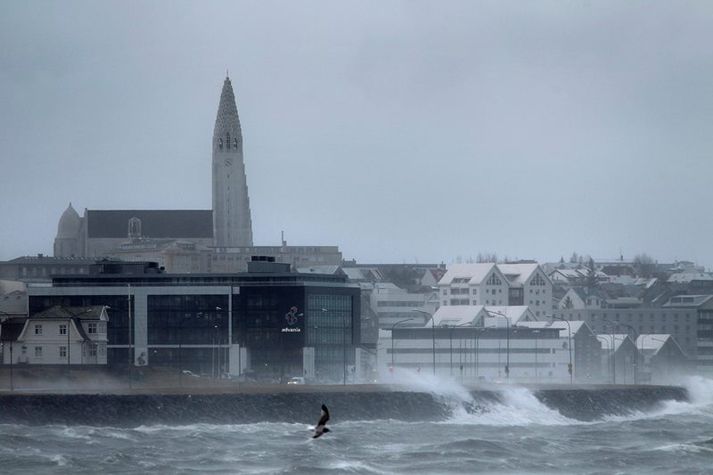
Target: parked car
[296,380]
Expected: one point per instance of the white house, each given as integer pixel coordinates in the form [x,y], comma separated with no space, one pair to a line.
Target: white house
[473,284]
[491,284]
[536,287]
[63,336]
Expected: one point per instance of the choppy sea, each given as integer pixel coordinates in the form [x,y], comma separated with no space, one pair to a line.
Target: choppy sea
[517,435]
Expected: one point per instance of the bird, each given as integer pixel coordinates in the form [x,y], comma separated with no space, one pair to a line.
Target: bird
[321,425]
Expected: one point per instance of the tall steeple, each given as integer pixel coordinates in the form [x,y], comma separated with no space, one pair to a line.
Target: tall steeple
[232,225]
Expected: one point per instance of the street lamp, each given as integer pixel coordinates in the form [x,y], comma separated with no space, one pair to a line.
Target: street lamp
[392,338]
[636,357]
[507,324]
[570,368]
[433,336]
[611,340]
[450,339]
[613,348]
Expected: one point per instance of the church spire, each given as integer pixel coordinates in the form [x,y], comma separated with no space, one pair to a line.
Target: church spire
[232,224]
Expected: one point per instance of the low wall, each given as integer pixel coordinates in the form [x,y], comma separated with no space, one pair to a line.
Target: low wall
[303,405]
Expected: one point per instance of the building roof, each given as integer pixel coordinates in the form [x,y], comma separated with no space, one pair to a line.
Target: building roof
[514,313]
[452,315]
[172,223]
[687,300]
[686,277]
[93,312]
[576,326]
[69,223]
[475,273]
[652,342]
[518,273]
[42,259]
[606,340]
[321,269]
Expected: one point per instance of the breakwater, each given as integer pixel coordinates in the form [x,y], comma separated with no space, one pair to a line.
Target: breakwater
[130,410]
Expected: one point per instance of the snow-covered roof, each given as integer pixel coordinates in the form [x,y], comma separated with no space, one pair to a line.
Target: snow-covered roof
[518,273]
[559,324]
[514,313]
[687,300]
[321,269]
[686,277]
[652,342]
[452,315]
[475,273]
[606,340]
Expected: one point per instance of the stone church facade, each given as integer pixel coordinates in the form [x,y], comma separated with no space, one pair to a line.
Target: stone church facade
[188,240]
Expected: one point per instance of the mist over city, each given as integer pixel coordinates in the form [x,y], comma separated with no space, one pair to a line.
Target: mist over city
[356,237]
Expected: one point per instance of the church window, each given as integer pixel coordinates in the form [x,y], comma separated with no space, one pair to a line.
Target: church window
[235,143]
[227,141]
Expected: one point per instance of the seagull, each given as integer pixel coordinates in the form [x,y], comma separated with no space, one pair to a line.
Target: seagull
[321,425]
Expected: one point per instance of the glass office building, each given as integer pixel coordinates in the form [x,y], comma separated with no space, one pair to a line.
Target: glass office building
[269,324]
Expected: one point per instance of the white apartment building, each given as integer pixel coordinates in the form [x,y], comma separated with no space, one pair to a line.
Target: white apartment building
[62,336]
[473,284]
[497,285]
[472,354]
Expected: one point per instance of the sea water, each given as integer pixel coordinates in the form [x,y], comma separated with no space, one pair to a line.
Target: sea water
[517,434]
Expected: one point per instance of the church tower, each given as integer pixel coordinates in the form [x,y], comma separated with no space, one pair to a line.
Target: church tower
[232,225]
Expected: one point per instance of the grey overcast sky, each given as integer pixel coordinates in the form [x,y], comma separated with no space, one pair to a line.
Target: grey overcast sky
[401,131]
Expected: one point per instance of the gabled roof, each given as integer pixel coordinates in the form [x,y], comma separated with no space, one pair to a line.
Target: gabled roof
[475,273]
[576,326]
[652,342]
[452,315]
[155,223]
[606,340]
[518,273]
[94,312]
[514,314]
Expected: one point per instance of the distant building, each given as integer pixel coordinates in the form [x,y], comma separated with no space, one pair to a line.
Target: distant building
[474,353]
[62,336]
[218,240]
[497,285]
[620,358]
[586,347]
[662,359]
[269,323]
[41,268]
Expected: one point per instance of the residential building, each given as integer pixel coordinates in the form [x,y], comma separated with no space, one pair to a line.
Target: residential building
[582,341]
[62,336]
[620,358]
[662,359]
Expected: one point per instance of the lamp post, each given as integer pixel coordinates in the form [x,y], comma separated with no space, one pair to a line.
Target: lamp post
[570,368]
[642,345]
[433,336]
[611,341]
[636,357]
[392,338]
[613,349]
[450,338]
[507,325]
[537,373]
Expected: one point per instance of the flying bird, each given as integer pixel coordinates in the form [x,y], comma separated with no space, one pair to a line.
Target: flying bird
[322,424]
